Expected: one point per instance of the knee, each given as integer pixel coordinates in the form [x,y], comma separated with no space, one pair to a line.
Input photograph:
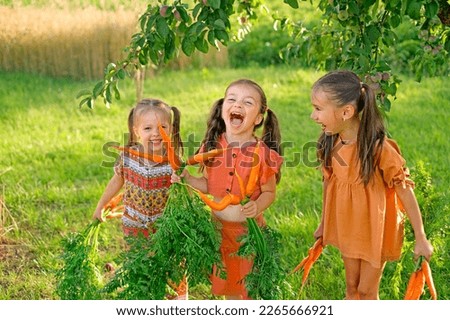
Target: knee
[368,293]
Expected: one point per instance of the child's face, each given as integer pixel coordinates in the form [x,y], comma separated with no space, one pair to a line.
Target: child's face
[146,129]
[326,113]
[241,110]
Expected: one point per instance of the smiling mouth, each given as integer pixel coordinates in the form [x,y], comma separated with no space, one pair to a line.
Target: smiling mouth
[236,119]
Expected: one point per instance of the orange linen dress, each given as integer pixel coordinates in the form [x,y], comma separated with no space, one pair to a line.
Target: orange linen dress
[364,222]
[222,180]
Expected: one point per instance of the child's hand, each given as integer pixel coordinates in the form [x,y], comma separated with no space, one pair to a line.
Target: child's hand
[423,248]
[250,209]
[177,178]
[319,232]
[98,215]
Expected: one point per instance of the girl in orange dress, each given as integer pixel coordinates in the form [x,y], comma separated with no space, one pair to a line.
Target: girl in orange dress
[145,183]
[231,125]
[365,181]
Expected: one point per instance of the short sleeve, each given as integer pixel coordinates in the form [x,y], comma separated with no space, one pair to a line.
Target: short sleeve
[118,166]
[271,165]
[392,166]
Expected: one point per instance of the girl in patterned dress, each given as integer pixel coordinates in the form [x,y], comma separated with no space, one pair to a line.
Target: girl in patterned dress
[365,181]
[231,125]
[145,183]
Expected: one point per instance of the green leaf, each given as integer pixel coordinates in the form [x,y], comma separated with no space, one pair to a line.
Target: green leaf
[222,36]
[90,103]
[153,54]
[395,20]
[215,4]
[386,104]
[183,13]
[292,3]
[83,92]
[431,9]
[373,33]
[84,101]
[413,9]
[162,28]
[116,90]
[98,89]
[201,44]
[187,46]
[219,24]
[121,74]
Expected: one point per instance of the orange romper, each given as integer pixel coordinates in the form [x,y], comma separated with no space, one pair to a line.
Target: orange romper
[364,222]
[221,180]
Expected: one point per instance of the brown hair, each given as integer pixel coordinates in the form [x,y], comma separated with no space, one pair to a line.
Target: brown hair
[343,88]
[156,105]
[271,135]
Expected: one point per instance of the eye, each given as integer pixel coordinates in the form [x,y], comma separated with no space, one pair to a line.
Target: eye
[231,100]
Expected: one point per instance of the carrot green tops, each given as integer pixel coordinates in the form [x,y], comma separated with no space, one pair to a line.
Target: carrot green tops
[222,170]
[146,187]
[364,222]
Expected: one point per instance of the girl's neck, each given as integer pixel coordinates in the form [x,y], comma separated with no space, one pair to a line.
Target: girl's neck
[239,139]
[350,133]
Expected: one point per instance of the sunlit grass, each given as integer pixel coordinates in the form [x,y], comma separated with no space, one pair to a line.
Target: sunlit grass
[51,173]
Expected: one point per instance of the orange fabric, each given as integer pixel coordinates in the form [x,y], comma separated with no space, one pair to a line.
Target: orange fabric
[221,171]
[236,267]
[364,222]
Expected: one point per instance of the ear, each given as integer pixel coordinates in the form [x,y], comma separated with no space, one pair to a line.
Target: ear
[348,111]
[258,119]
[135,130]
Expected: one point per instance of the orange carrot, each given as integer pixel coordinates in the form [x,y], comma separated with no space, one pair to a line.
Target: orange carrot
[411,284]
[235,199]
[117,212]
[429,279]
[241,184]
[254,173]
[152,157]
[174,160]
[204,156]
[217,206]
[307,262]
[114,202]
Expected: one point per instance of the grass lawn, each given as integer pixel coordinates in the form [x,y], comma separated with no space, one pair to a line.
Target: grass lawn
[54,167]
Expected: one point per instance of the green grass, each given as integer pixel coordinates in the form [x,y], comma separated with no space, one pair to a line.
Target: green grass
[51,171]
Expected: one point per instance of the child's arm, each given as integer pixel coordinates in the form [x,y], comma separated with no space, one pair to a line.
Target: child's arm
[423,247]
[268,192]
[319,231]
[113,187]
[199,183]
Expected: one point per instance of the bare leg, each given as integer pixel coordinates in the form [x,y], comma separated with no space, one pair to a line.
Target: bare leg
[369,281]
[352,278]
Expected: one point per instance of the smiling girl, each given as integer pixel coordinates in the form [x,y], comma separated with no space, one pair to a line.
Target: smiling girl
[364,182]
[231,125]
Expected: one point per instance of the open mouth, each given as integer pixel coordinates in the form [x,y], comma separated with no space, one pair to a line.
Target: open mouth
[236,119]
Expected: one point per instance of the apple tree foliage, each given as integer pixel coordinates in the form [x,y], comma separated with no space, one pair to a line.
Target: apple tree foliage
[352,34]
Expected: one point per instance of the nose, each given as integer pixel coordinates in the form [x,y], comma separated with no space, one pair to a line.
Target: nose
[313,115]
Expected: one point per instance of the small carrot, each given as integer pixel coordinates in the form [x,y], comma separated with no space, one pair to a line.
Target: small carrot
[217,206]
[416,289]
[429,279]
[117,212]
[114,202]
[152,157]
[174,160]
[254,173]
[241,184]
[410,286]
[235,199]
[204,156]
[306,264]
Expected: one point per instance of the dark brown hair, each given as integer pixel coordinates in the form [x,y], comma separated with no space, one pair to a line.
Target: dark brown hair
[343,88]
[271,135]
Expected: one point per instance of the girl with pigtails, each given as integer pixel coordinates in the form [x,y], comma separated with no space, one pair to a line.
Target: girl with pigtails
[231,125]
[145,183]
[366,185]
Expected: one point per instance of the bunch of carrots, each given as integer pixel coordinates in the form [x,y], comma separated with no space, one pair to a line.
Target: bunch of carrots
[417,281]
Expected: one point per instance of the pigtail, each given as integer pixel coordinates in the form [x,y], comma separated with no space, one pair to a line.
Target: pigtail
[132,139]
[215,126]
[271,135]
[371,132]
[176,137]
